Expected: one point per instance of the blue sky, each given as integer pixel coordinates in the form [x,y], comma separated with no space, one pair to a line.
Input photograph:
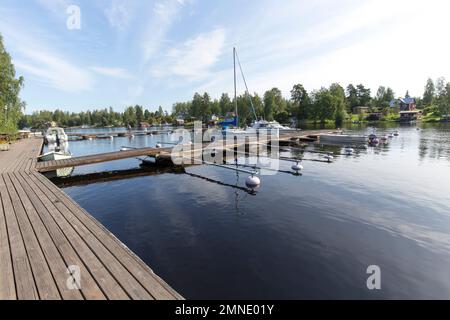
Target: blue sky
[159,52]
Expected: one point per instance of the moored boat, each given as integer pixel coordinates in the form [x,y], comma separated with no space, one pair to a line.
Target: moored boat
[56,135]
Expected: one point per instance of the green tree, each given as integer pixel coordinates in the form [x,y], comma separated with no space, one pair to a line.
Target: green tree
[11,106]
[429,93]
[301,101]
[352,98]
[225,104]
[339,103]
[139,114]
[324,106]
[364,96]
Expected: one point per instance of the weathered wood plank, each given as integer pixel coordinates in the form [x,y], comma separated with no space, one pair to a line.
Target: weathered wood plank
[25,285]
[158,288]
[89,287]
[43,231]
[7,285]
[54,258]
[41,272]
[104,279]
[122,275]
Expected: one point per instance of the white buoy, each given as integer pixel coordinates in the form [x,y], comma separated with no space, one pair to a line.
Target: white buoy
[158,145]
[124,149]
[90,139]
[111,137]
[252,182]
[132,136]
[349,151]
[297,167]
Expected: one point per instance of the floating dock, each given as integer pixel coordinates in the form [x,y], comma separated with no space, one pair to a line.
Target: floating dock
[44,235]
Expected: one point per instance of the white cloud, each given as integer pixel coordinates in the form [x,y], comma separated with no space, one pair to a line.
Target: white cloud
[118,14]
[57,7]
[39,60]
[54,71]
[134,93]
[394,43]
[194,58]
[112,72]
[160,21]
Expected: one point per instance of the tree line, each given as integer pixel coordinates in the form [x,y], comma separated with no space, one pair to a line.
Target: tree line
[334,103]
[327,104]
[11,106]
[132,115]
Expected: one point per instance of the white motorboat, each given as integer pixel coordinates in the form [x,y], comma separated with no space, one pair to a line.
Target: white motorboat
[55,155]
[57,152]
[349,151]
[56,136]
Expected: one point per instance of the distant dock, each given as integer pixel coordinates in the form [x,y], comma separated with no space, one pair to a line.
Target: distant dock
[47,240]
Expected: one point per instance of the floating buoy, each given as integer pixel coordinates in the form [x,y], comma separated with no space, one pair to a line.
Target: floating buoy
[132,136]
[252,182]
[297,167]
[349,151]
[90,139]
[111,137]
[158,145]
[124,149]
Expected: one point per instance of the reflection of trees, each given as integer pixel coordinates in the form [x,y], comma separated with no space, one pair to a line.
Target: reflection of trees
[435,143]
[423,148]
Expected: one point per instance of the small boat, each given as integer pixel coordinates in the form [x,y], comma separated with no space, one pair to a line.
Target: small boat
[373,139]
[396,133]
[56,136]
[349,151]
[384,139]
[57,154]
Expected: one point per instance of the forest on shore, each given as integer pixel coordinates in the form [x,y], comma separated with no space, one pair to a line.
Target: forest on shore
[327,104]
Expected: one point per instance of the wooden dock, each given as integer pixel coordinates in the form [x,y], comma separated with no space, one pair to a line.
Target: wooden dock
[165,153]
[45,235]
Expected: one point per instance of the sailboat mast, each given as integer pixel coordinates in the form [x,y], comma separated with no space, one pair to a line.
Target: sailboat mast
[235,96]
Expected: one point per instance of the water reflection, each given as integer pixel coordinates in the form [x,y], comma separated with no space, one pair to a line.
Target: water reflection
[300,237]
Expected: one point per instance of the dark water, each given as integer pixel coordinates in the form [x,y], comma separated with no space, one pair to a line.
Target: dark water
[299,237]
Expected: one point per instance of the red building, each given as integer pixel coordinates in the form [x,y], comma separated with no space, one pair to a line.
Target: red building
[407,104]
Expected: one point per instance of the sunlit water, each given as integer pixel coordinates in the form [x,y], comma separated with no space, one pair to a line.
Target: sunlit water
[311,236]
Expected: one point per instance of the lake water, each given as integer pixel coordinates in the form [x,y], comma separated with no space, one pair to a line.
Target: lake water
[309,236]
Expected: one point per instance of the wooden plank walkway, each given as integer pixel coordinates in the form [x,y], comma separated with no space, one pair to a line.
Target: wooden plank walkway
[43,232]
[164,152]
[98,158]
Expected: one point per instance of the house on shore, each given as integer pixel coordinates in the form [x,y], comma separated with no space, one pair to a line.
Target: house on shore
[361,110]
[179,121]
[407,104]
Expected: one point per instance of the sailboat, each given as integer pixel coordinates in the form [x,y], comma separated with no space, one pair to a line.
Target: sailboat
[226,130]
[272,127]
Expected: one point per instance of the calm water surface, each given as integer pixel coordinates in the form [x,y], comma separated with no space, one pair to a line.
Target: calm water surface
[299,237]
